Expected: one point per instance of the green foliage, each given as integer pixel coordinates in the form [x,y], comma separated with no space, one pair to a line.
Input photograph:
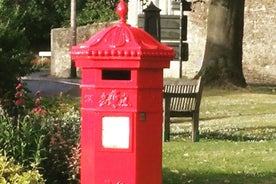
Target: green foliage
[97,11]
[42,16]
[23,138]
[36,17]
[12,173]
[14,54]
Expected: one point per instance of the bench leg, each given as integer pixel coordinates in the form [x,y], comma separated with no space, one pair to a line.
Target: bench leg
[195,131]
[167,128]
[167,119]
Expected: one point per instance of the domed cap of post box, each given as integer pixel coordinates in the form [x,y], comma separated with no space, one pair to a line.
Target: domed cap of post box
[121,42]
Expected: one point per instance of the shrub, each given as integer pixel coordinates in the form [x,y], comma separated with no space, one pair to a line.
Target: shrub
[63,143]
[12,173]
[14,54]
[24,138]
[41,63]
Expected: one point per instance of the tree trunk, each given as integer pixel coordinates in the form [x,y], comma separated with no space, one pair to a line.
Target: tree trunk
[73,73]
[222,62]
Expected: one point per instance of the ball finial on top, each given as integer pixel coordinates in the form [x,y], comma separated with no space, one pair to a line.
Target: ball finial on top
[122,10]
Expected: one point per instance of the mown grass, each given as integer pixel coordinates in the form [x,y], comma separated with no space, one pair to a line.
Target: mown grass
[237,140]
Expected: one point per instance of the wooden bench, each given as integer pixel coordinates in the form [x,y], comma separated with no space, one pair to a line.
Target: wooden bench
[182,99]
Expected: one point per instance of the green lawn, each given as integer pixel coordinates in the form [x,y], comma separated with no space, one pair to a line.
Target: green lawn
[238,140]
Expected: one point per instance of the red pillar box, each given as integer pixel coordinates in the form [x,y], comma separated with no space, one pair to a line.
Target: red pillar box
[121,128]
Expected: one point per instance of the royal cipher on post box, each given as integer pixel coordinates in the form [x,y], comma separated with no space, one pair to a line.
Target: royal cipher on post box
[121,104]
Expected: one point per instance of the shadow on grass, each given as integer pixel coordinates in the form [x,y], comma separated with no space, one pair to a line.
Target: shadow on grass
[182,177]
[234,134]
[242,134]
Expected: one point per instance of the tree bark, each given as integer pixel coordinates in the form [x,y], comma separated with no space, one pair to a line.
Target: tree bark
[222,63]
[73,73]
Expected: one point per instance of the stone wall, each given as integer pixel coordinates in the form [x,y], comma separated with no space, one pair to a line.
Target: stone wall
[259,47]
[60,43]
[60,58]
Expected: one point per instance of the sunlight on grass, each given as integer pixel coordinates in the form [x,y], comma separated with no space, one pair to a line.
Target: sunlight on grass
[244,104]
[237,140]
[219,161]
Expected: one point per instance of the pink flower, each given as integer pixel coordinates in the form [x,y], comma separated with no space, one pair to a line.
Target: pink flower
[37,102]
[19,102]
[39,110]
[19,86]
[19,94]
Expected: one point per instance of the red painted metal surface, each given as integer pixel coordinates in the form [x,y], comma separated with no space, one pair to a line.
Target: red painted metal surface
[121,106]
